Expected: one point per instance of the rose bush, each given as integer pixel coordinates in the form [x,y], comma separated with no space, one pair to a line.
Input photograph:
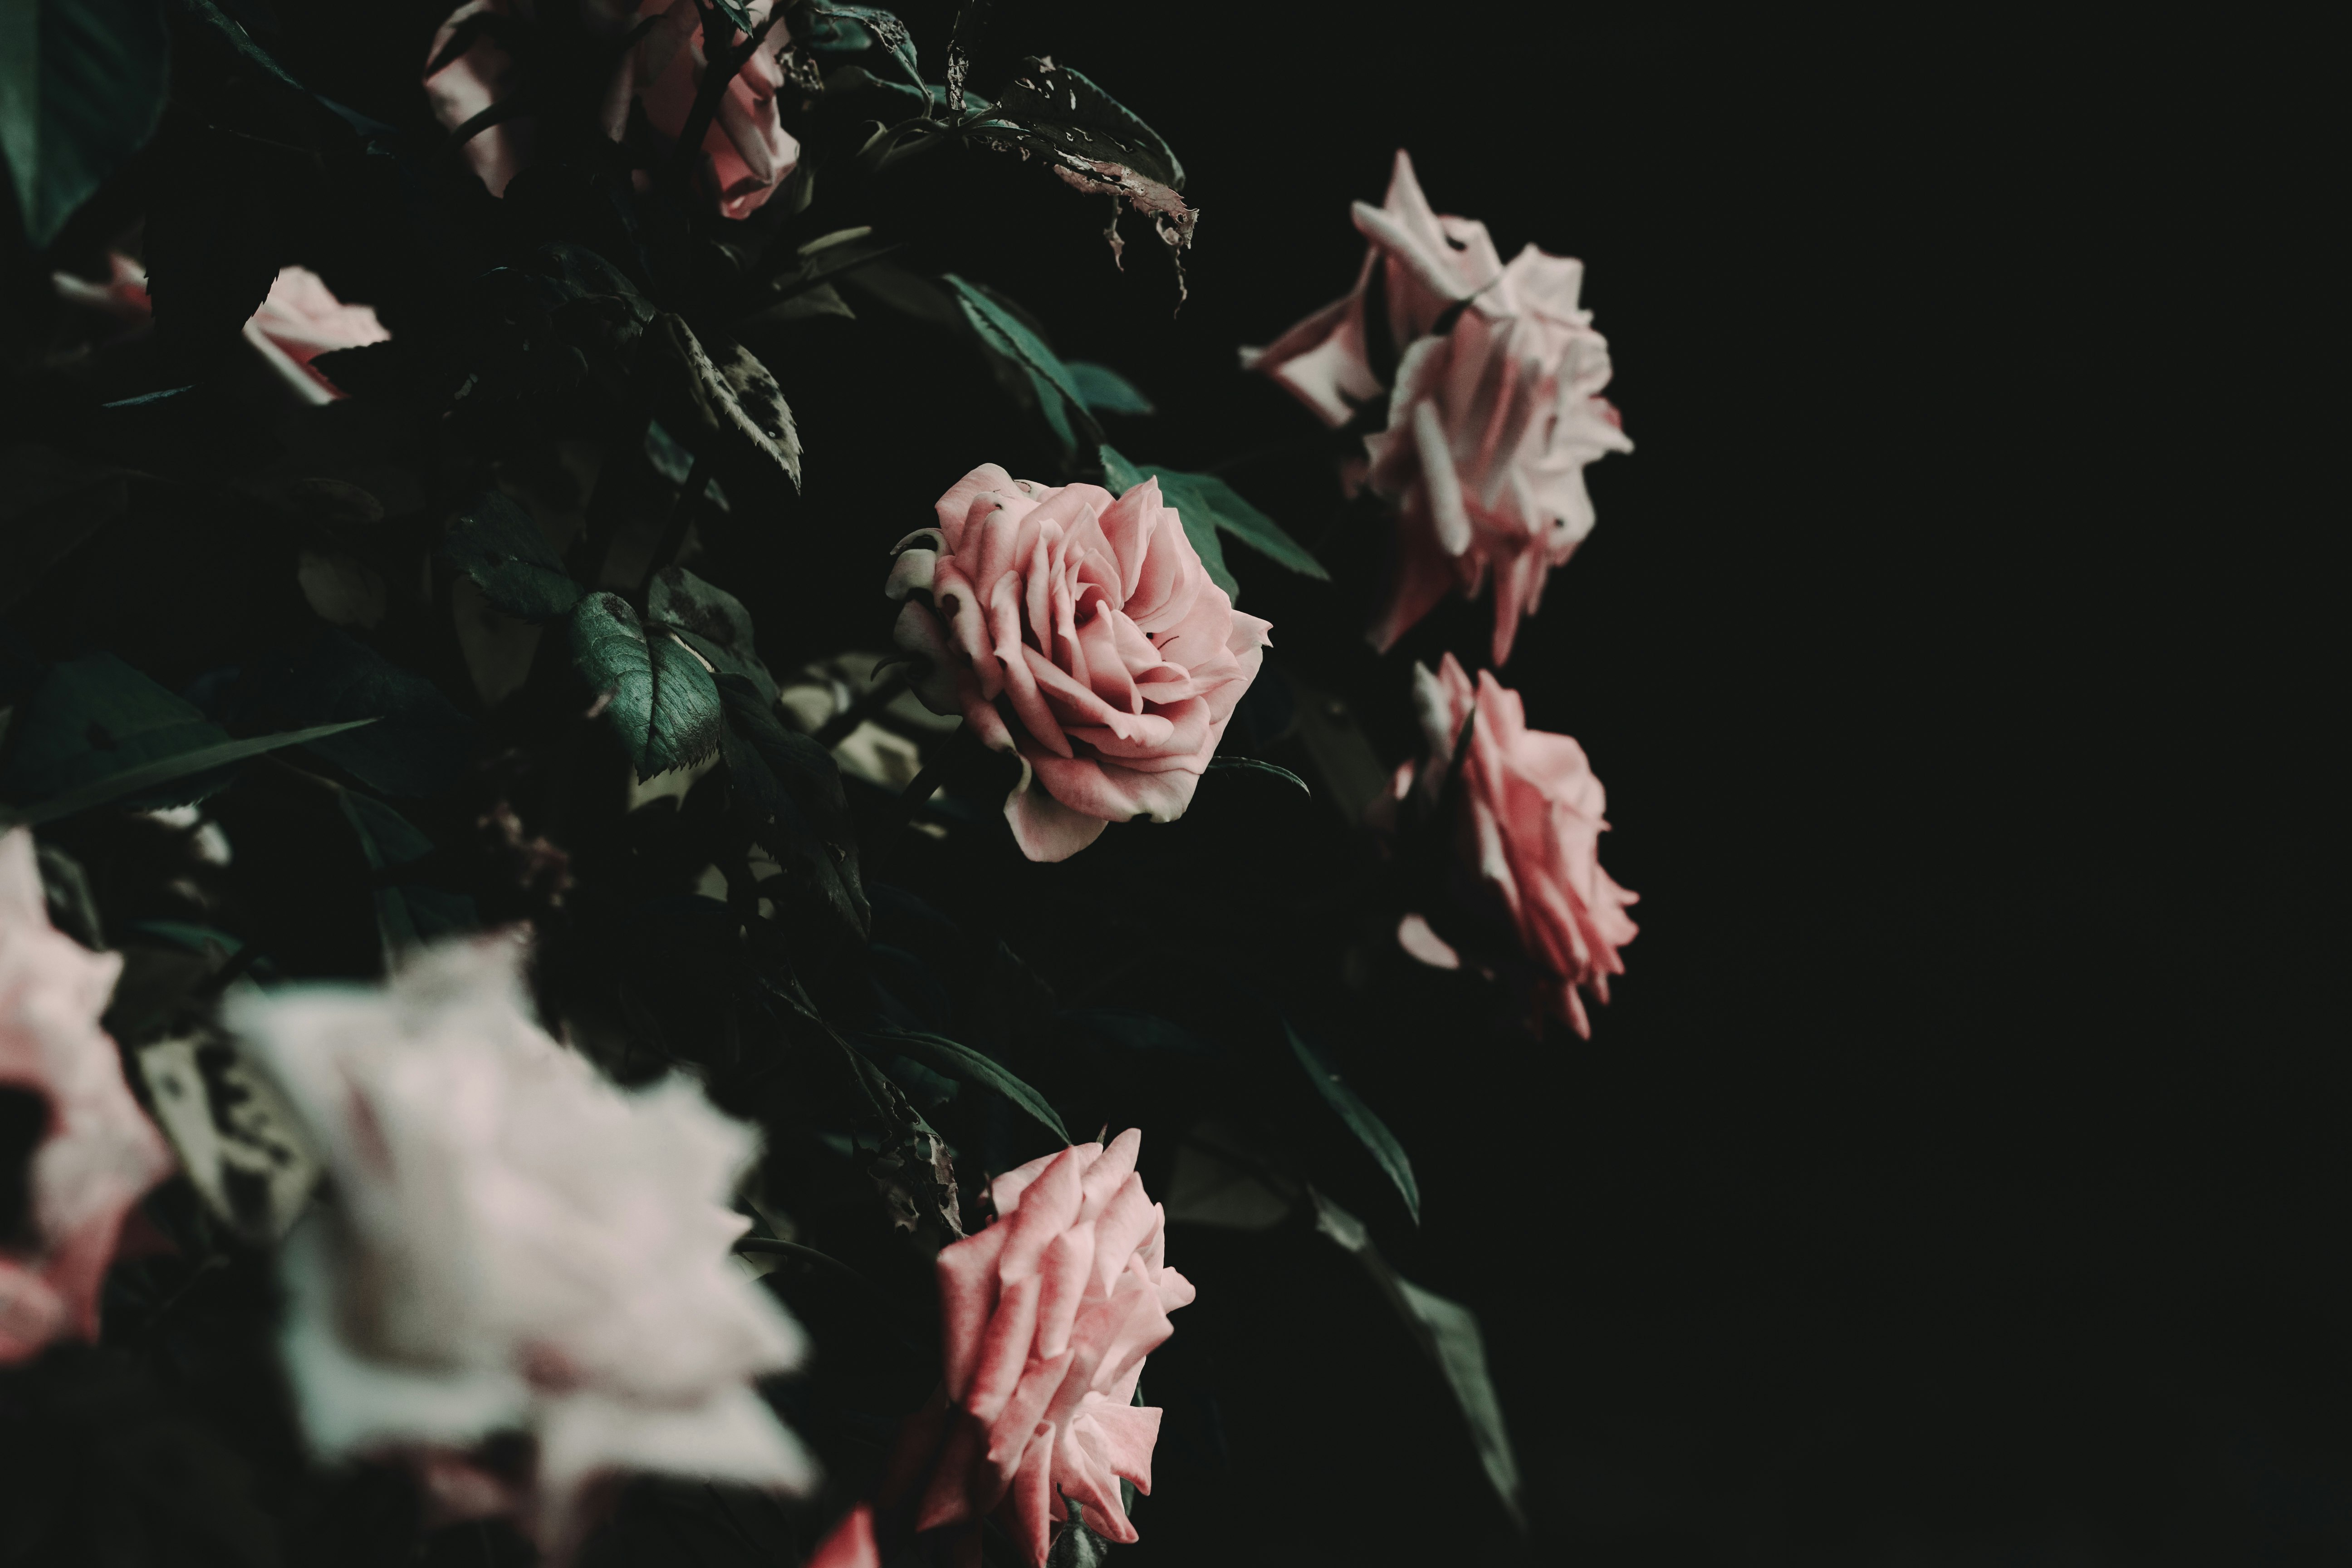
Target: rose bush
[96,1153]
[747,151]
[515,1244]
[1491,423]
[1530,827]
[1045,1319]
[1082,634]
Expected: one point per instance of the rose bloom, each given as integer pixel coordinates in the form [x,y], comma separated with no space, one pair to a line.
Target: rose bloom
[1045,1319]
[97,1152]
[1082,634]
[301,320]
[515,1244]
[747,151]
[1533,822]
[1490,424]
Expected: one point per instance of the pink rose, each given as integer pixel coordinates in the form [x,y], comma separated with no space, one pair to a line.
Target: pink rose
[475,80]
[1428,262]
[301,320]
[1083,635]
[745,154]
[747,151]
[1490,425]
[1046,1317]
[1533,823]
[98,1152]
[850,1544]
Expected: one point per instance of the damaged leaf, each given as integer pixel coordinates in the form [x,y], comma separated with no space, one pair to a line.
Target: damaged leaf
[719,401]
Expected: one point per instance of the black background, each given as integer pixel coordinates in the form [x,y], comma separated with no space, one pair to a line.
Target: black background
[1956,1177]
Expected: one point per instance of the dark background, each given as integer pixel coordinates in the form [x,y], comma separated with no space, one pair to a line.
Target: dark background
[1955,1178]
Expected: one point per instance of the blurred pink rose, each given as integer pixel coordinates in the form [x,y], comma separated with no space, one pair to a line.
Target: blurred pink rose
[1490,425]
[745,154]
[1081,634]
[747,151]
[850,1544]
[97,1154]
[1428,262]
[1046,1317]
[1533,823]
[301,320]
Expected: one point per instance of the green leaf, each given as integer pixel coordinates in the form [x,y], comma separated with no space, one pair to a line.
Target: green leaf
[1105,391]
[1122,475]
[407,914]
[665,705]
[1369,1129]
[712,621]
[98,732]
[962,1062]
[1255,765]
[81,86]
[1057,391]
[1448,1334]
[49,503]
[497,543]
[1212,501]
[1235,516]
[423,745]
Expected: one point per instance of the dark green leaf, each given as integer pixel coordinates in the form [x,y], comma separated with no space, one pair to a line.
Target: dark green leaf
[423,745]
[1139,1031]
[713,622]
[957,1061]
[1057,391]
[1200,527]
[49,503]
[1229,511]
[497,543]
[1448,1332]
[407,914]
[790,786]
[1204,500]
[665,705]
[81,84]
[97,733]
[1368,1127]
[1254,765]
[1106,391]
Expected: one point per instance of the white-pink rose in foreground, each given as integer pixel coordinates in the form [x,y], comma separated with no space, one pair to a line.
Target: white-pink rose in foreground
[1532,826]
[98,1152]
[1045,1319]
[515,1244]
[747,151]
[1491,423]
[1081,633]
